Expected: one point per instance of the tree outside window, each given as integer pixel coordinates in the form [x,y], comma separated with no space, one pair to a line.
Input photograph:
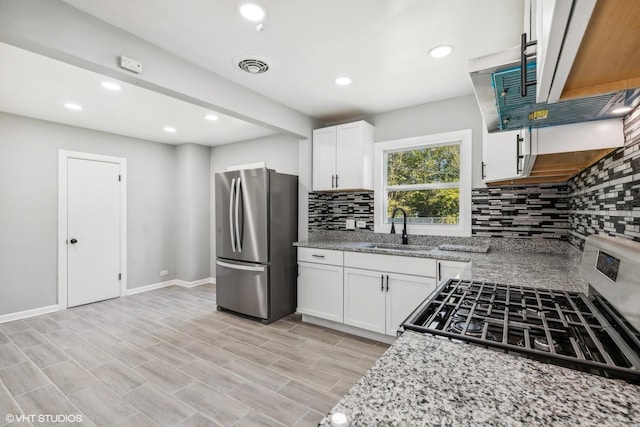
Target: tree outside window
[425,182]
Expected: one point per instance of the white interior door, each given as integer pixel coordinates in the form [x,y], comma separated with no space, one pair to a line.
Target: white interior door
[93,231]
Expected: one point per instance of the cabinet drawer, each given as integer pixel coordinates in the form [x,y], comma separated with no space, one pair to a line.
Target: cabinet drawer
[320,256]
[391,263]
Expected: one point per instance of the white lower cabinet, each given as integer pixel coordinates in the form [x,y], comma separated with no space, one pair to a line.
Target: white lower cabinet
[404,295]
[372,292]
[380,301]
[364,299]
[320,286]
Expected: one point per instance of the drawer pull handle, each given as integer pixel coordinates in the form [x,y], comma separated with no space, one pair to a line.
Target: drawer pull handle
[387,283]
[317,256]
[381,283]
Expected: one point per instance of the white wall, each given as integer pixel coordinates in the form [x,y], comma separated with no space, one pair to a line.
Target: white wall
[194,207]
[280,152]
[432,118]
[29,200]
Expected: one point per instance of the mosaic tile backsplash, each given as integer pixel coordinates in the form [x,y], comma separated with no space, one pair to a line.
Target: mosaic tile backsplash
[329,211]
[524,211]
[532,211]
[605,198]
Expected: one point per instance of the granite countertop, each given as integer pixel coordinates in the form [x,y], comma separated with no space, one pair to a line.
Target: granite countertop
[424,380]
[381,248]
[535,267]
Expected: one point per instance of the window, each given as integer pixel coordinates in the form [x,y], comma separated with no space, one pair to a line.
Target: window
[429,177]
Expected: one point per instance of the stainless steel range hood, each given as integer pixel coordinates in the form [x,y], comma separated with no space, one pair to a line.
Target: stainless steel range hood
[496,83]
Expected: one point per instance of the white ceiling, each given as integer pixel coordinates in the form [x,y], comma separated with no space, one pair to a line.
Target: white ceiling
[381,44]
[36,86]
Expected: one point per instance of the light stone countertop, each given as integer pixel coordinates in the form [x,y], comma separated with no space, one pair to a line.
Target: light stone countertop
[423,380]
[368,247]
[537,268]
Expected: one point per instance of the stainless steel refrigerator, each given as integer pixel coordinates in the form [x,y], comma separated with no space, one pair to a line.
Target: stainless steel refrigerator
[256,225]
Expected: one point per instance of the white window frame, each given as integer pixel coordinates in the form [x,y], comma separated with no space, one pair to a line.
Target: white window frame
[461,137]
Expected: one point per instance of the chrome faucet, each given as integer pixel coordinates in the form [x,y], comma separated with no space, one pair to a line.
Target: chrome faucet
[405,238]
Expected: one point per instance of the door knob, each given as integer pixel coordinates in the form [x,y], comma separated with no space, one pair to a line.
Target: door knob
[73,241]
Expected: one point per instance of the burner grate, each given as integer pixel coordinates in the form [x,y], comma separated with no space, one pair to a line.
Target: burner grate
[566,328]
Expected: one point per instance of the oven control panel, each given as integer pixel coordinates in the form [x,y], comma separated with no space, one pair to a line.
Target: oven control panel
[608,265]
[611,266]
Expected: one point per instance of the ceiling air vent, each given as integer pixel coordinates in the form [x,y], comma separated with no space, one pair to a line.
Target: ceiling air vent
[253,66]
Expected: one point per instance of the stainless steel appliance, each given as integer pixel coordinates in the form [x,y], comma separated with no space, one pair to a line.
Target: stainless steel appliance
[256,225]
[595,332]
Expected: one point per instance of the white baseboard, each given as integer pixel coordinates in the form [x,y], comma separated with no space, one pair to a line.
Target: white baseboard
[28,313]
[147,288]
[10,317]
[176,282]
[186,284]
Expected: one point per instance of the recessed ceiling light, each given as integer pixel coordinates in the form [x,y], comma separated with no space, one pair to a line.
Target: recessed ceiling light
[169,129]
[253,12]
[621,110]
[211,117]
[111,86]
[440,51]
[343,81]
[72,106]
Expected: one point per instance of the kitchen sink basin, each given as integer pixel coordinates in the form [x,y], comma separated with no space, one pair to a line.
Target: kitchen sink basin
[397,247]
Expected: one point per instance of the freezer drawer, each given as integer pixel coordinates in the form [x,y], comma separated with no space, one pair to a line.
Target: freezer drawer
[243,288]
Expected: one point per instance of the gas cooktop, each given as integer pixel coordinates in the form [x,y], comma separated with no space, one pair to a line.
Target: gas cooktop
[566,328]
[571,329]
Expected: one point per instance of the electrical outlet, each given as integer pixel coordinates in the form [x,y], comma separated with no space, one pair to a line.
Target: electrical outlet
[130,64]
[164,273]
[361,224]
[350,224]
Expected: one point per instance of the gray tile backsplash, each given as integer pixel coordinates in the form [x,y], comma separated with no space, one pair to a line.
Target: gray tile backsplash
[522,211]
[605,198]
[329,210]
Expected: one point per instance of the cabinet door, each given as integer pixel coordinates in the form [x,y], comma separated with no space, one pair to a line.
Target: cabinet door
[500,155]
[364,299]
[452,270]
[324,158]
[404,295]
[320,291]
[349,156]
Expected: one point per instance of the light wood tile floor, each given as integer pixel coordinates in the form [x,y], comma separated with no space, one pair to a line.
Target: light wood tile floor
[168,358]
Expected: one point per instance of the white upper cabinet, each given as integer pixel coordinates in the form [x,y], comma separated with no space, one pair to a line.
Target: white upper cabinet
[502,155]
[548,154]
[324,158]
[343,157]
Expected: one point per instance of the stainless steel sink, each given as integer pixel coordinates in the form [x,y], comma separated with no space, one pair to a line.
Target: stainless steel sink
[398,247]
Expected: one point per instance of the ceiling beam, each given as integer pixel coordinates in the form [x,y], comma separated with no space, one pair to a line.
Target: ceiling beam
[59,31]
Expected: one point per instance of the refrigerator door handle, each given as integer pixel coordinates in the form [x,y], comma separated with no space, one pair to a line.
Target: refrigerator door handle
[238,195]
[233,239]
[240,267]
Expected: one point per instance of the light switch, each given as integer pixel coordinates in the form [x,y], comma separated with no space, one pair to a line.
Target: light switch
[361,224]
[351,224]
